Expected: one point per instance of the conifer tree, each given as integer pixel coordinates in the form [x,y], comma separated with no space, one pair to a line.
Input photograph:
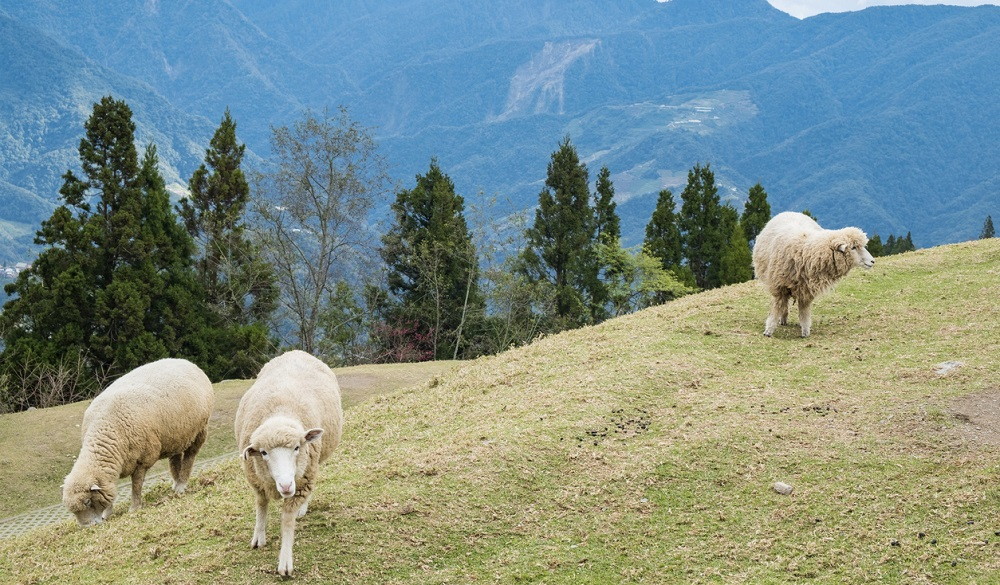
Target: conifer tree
[607,224]
[890,245]
[988,231]
[433,266]
[735,260]
[663,237]
[875,247]
[240,286]
[114,289]
[756,212]
[663,241]
[700,223]
[607,230]
[559,243]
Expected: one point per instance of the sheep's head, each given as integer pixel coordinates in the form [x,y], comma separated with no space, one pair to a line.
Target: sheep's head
[280,444]
[88,499]
[851,242]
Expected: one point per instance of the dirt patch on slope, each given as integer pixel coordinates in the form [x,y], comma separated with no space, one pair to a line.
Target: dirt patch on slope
[979,417]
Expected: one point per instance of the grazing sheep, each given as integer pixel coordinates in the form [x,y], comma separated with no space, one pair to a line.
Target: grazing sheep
[794,257]
[157,410]
[287,423]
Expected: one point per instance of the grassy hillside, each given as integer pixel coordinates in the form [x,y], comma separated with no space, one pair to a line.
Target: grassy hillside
[38,447]
[642,450]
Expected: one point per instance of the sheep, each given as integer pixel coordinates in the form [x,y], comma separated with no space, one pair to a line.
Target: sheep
[157,410]
[794,257]
[287,423]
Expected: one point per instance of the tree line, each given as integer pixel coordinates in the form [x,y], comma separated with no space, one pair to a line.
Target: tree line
[250,263]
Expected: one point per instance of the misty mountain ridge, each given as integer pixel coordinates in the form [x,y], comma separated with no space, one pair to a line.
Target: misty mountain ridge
[884,118]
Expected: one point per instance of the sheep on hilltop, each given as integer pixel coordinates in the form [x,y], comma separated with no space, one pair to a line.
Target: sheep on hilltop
[794,258]
[287,423]
[157,410]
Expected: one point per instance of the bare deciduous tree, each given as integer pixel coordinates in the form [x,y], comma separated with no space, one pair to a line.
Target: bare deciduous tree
[314,205]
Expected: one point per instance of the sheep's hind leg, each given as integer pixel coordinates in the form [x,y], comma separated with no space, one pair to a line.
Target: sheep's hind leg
[805,317]
[181,472]
[778,314]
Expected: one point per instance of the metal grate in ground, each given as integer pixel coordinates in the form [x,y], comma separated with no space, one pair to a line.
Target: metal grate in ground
[16,525]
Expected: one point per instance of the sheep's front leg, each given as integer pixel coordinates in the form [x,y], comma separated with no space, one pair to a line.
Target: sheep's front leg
[288,515]
[182,471]
[805,316]
[778,315]
[260,527]
[138,477]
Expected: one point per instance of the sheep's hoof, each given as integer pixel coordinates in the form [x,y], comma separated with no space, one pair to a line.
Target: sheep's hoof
[285,567]
[180,487]
[258,541]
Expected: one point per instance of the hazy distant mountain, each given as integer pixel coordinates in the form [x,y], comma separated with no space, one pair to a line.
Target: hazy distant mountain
[47,93]
[886,118]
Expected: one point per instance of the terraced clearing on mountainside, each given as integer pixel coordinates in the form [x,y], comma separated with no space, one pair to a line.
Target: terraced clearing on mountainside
[642,450]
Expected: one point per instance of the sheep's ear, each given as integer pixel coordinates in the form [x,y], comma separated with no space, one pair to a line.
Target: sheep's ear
[313,434]
[841,247]
[95,488]
[250,452]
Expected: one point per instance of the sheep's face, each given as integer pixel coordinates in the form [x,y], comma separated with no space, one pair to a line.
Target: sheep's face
[853,245]
[88,501]
[285,462]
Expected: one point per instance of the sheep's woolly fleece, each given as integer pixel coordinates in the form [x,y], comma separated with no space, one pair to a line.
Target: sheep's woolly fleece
[795,258]
[157,410]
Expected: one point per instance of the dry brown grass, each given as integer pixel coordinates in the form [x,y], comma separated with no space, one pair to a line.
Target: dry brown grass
[642,450]
[38,447]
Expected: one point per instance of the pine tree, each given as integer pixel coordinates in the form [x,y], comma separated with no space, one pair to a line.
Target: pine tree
[607,224]
[114,289]
[890,245]
[433,265]
[663,237]
[240,288]
[700,223]
[607,229]
[756,212]
[988,231]
[663,241]
[875,247]
[559,243]
[905,244]
[735,260]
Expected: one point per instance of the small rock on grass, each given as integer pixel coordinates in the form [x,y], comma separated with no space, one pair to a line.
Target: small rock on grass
[782,488]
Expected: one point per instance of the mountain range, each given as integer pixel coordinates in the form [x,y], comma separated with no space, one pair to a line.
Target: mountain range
[887,118]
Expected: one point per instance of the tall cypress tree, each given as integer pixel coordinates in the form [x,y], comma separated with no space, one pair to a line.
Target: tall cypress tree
[114,287]
[606,221]
[988,231]
[559,247]
[433,267]
[701,226]
[735,260]
[756,212]
[607,231]
[240,287]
